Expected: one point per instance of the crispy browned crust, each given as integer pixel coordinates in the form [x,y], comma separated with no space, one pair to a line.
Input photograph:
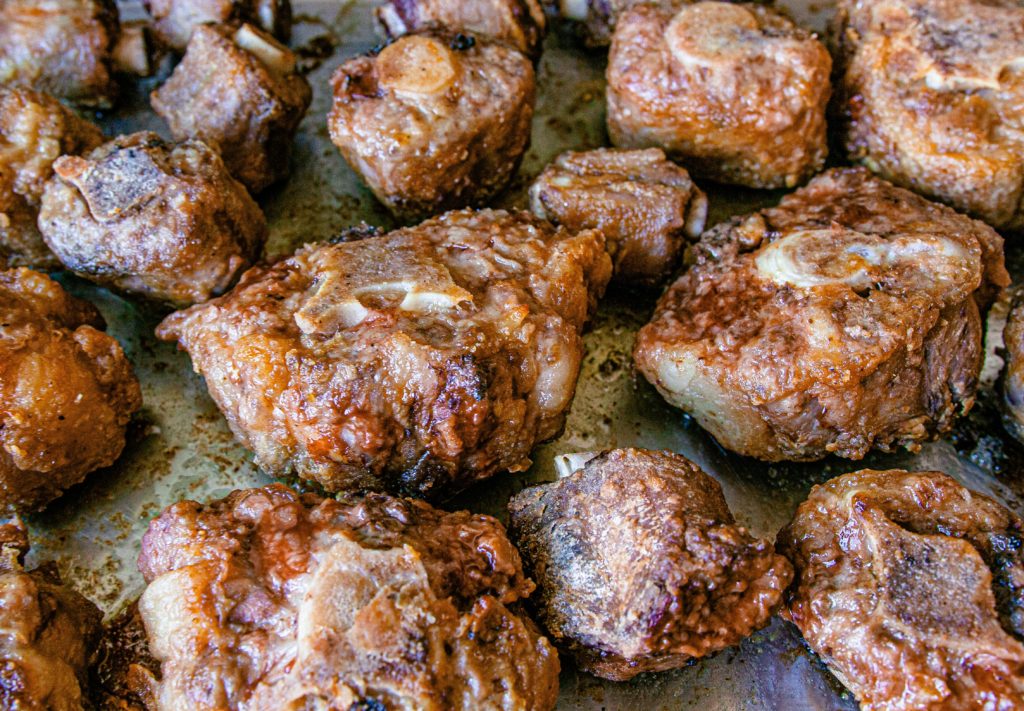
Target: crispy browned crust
[366,602]
[881,347]
[422,154]
[164,221]
[928,96]
[251,119]
[911,588]
[640,566]
[175,20]
[66,391]
[61,47]
[754,116]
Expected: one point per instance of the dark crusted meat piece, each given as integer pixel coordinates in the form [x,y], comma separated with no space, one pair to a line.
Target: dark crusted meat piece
[1012,380]
[433,122]
[48,634]
[517,23]
[61,47]
[931,96]
[646,207]
[251,118]
[269,600]
[66,390]
[165,221]
[419,361]
[175,20]
[911,588]
[640,565]
[35,130]
[735,92]
[848,317]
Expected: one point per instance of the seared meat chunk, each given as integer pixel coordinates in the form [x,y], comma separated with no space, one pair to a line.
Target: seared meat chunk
[364,603]
[66,391]
[517,23]
[61,47]
[175,20]
[846,318]
[35,130]
[1012,380]
[911,588]
[420,361]
[735,92]
[640,565]
[252,118]
[48,633]
[434,123]
[932,97]
[165,221]
[646,207]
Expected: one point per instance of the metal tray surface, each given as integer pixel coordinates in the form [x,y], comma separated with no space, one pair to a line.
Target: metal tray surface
[180,446]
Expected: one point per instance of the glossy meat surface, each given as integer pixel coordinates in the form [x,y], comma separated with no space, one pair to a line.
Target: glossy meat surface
[66,391]
[175,20]
[734,92]
[640,565]
[911,588]
[269,600]
[419,361]
[164,221]
[249,108]
[1012,379]
[646,206]
[846,318]
[931,97]
[434,122]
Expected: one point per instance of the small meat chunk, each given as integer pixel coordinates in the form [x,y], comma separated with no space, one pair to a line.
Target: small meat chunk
[846,318]
[67,391]
[640,565]
[61,47]
[517,23]
[420,361]
[932,98]
[645,205]
[251,119]
[175,20]
[35,130]
[48,633]
[433,123]
[361,603]
[1012,380]
[164,221]
[734,92]
[911,588]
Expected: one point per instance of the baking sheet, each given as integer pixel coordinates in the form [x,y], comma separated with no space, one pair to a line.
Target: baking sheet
[180,447]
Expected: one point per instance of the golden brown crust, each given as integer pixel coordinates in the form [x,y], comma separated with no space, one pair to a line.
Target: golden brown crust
[734,92]
[846,318]
[366,602]
[911,588]
[640,565]
[175,20]
[931,96]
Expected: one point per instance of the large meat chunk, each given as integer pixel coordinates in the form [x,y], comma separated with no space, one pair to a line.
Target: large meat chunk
[931,94]
[61,47]
[35,130]
[911,588]
[175,20]
[165,221]
[251,118]
[735,92]
[48,634]
[646,207]
[640,565]
[434,122]
[845,318]
[420,361]
[267,600]
[66,390]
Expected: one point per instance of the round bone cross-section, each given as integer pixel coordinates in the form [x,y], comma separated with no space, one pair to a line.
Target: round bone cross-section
[911,588]
[419,361]
[845,318]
